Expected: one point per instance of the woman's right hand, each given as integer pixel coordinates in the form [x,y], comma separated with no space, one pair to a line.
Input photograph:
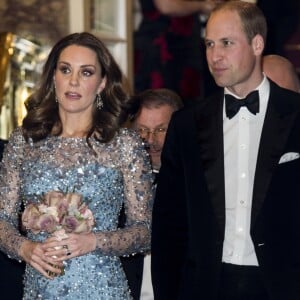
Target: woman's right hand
[33,254]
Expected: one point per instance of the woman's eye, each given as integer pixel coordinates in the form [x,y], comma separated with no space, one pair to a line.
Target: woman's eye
[64,70]
[87,73]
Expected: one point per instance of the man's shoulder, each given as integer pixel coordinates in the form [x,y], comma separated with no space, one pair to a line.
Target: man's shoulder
[285,100]
[275,88]
[203,106]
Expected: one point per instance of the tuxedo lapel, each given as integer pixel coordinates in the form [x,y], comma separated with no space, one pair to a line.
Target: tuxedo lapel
[209,120]
[278,122]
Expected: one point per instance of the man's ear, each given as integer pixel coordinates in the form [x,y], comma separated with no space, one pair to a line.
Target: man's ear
[258,44]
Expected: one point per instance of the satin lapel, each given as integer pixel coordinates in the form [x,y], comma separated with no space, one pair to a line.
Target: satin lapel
[278,121]
[210,138]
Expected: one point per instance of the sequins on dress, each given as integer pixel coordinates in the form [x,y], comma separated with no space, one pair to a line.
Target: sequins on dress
[119,173]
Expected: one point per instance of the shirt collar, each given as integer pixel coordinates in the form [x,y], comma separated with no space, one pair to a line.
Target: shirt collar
[263,88]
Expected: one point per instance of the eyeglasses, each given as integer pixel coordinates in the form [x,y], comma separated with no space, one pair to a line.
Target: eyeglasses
[145,132]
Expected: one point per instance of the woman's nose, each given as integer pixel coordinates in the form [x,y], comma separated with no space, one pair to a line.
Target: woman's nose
[74,79]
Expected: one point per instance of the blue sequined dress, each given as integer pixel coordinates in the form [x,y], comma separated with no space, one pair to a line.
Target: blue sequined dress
[119,173]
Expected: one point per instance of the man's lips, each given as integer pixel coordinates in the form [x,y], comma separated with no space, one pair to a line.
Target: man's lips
[154,152]
[218,70]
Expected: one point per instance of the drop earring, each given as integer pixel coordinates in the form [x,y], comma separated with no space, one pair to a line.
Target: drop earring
[99,101]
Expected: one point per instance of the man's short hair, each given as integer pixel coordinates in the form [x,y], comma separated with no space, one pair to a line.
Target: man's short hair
[252,18]
[153,98]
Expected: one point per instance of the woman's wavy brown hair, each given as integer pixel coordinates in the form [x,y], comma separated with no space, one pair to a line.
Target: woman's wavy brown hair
[42,117]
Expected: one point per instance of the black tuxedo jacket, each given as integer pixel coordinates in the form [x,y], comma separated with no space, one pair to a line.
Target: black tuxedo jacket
[189,208]
[2,145]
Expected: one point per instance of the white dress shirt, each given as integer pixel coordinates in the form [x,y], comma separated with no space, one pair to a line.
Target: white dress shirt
[147,289]
[241,142]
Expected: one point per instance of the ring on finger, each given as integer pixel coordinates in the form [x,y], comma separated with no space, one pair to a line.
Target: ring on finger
[67,250]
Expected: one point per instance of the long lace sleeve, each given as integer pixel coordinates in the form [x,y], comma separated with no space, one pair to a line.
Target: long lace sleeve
[138,195]
[10,236]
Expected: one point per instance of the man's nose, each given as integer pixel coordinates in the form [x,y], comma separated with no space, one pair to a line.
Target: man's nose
[216,54]
[151,137]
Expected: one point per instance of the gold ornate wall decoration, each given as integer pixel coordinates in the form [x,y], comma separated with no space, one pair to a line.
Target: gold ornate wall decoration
[5,53]
[19,70]
[30,24]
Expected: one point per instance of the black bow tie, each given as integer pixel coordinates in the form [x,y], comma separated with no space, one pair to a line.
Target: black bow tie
[233,104]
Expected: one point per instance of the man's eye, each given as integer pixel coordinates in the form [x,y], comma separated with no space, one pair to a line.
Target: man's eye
[208,44]
[227,43]
[161,130]
[143,130]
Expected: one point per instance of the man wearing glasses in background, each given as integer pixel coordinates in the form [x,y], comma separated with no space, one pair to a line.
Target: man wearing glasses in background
[151,114]
[150,111]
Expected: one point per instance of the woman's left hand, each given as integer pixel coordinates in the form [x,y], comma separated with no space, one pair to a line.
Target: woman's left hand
[76,244]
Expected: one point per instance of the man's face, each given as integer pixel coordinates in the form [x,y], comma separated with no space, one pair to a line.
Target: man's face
[152,124]
[232,60]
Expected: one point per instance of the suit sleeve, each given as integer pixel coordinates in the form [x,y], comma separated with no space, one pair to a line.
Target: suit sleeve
[169,228]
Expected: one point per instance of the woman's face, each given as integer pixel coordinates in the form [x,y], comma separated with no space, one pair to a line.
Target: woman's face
[77,80]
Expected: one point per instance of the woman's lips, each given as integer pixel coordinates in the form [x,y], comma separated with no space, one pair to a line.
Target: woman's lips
[72,95]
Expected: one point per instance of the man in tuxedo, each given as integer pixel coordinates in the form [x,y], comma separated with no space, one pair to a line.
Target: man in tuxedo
[226,220]
[11,271]
[150,112]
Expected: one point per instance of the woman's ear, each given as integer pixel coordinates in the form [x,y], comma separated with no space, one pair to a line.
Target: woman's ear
[102,85]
